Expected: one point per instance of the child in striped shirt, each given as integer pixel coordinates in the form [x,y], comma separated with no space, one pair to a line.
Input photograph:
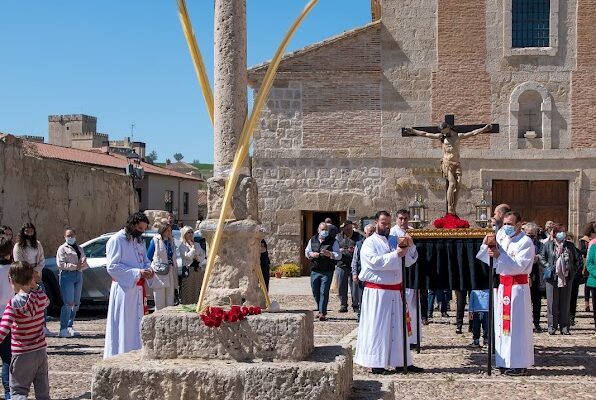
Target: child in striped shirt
[24,316]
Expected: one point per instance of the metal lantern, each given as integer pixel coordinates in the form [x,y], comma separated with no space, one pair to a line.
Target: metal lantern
[417,212]
[482,213]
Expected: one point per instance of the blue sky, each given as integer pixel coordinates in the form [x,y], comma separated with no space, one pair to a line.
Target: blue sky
[127,62]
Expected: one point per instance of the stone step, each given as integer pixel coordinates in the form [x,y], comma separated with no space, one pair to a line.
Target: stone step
[325,375]
[173,333]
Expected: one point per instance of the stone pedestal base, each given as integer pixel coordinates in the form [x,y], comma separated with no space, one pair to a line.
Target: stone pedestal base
[172,333]
[326,374]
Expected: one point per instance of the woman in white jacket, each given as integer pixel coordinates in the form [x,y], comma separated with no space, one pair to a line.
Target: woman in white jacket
[161,252]
[71,261]
[191,254]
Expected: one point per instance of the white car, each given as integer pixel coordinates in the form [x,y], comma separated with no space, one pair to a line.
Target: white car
[96,280]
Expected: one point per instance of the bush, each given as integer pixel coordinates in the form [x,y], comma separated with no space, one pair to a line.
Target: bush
[289,270]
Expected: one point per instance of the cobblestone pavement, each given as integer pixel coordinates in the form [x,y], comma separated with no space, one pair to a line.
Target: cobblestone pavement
[565,365]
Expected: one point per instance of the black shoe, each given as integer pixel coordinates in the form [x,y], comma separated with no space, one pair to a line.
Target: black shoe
[502,370]
[356,309]
[458,330]
[343,309]
[424,321]
[565,331]
[378,371]
[537,328]
[552,331]
[516,372]
[572,320]
[358,317]
[445,315]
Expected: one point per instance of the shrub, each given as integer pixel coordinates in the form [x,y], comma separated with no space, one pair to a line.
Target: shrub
[288,270]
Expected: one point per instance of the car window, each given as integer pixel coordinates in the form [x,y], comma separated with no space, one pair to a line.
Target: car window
[96,249]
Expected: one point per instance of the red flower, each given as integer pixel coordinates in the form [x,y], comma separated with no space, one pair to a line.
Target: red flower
[451,221]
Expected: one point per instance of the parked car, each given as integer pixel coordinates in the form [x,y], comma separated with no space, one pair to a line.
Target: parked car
[96,280]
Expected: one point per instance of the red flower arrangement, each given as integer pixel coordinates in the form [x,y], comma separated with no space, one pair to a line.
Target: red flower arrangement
[450,221]
[214,316]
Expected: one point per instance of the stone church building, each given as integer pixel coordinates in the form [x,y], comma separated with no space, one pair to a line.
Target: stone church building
[329,142]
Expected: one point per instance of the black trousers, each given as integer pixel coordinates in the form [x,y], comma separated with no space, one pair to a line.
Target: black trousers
[574,293]
[536,297]
[460,298]
[593,293]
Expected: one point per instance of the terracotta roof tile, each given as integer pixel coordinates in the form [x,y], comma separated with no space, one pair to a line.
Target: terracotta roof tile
[94,157]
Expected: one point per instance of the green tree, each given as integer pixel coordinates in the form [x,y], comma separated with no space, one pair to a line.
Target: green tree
[196,161]
[151,157]
[178,156]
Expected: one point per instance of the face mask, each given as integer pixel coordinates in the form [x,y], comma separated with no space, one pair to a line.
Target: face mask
[136,234]
[561,236]
[324,234]
[509,230]
[71,240]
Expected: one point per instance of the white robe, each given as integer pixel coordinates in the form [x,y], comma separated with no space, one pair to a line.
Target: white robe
[411,303]
[380,333]
[515,350]
[125,260]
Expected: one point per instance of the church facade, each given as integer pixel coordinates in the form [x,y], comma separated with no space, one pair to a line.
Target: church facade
[329,142]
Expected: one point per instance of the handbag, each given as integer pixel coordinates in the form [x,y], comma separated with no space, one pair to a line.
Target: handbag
[161,268]
[549,273]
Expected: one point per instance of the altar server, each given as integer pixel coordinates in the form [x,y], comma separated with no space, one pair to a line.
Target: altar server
[380,333]
[129,267]
[513,258]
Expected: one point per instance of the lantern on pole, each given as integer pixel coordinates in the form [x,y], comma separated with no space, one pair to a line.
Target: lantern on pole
[482,213]
[417,212]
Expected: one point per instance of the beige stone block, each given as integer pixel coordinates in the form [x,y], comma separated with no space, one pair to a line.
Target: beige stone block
[325,375]
[174,334]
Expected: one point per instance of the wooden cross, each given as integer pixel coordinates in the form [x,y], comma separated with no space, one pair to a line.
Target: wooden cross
[450,122]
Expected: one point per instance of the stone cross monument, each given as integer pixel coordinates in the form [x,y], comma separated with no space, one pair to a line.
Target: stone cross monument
[234,279]
[450,135]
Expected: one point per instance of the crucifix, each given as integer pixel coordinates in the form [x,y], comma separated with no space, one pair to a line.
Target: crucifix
[450,134]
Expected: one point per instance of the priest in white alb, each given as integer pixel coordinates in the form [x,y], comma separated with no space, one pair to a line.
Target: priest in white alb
[380,333]
[129,267]
[399,230]
[513,257]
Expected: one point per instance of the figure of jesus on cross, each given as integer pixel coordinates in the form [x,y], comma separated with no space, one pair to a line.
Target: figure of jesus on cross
[450,134]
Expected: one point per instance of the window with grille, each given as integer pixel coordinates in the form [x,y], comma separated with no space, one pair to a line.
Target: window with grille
[168,200]
[530,21]
[185,203]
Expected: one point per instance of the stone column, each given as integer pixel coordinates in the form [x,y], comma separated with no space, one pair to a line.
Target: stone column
[230,82]
[233,279]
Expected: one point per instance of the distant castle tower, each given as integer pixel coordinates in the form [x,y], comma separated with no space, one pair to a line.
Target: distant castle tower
[78,131]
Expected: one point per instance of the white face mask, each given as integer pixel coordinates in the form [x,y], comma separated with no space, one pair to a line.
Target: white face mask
[71,240]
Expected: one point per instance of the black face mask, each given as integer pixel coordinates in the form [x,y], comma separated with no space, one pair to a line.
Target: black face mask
[136,234]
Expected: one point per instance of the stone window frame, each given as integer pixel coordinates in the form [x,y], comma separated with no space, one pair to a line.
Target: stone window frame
[553,32]
[545,113]
[573,176]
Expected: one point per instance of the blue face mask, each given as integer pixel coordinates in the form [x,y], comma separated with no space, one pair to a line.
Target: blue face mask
[71,240]
[561,236]
[324,234]
[509,230]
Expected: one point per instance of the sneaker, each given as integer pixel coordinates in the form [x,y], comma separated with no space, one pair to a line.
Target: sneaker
[475,343]
[458,330]
[64,333]
[343,309]
[565,331]
[48,332]
[516,372]
[73,333]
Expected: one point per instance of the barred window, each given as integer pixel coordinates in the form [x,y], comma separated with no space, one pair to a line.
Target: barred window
[530,21]
[169,200]
[185,199]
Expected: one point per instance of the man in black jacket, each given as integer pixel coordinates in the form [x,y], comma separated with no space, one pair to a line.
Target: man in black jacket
[322,251]
[347,240]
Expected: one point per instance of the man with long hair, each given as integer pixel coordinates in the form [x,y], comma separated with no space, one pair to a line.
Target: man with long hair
[129,267]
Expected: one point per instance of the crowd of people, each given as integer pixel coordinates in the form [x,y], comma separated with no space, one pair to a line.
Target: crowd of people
[531,262]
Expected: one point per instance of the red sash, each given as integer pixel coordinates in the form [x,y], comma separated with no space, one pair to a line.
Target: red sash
[141,283]
[508,281]
[397,286]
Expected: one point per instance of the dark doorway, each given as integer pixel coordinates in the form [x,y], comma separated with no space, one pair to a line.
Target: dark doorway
[537,201]
[310,224]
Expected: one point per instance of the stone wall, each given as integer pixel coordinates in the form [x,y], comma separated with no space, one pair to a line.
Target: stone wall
[55,194]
